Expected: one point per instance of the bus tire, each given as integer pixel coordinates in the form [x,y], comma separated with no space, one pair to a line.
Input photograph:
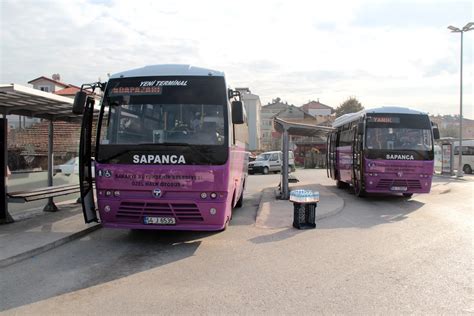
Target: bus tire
[467,169]
[265,170]
[240,201]
[340,184]
[358,191]
[408,195]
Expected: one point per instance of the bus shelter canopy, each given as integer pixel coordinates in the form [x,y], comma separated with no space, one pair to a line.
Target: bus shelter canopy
[20,100]
[25,101]
[297,129]
[300,129]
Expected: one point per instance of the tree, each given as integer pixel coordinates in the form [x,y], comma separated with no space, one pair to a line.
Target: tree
[351,105]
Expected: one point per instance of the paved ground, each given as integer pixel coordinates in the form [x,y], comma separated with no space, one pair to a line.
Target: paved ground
[380,254]
[35,231]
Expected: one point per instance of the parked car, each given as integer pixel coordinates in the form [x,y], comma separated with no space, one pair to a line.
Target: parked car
[270,161]
[70,167]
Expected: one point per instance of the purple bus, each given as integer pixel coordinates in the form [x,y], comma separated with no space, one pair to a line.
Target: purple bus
[170,149]
[382,150]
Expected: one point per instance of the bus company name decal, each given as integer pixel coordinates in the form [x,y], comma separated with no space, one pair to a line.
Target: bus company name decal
[159,159]
[399,157]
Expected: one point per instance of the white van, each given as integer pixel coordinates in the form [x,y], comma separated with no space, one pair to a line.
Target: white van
[467,162]
[271,161]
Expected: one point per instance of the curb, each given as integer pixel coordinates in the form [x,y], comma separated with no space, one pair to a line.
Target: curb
[265,192]
[336,210]
[34,252]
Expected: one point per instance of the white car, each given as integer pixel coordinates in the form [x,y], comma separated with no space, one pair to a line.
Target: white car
[71,167]
[271,161]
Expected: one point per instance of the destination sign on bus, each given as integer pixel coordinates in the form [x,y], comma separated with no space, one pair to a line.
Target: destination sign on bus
[135,90]
[384,119]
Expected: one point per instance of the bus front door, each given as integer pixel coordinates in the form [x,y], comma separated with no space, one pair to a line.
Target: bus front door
[86,176]
[331,155]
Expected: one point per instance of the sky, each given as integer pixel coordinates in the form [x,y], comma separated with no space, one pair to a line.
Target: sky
[380,52]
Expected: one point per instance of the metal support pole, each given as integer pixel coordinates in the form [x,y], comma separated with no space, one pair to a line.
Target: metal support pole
[284,172]
[460,166]
[5,217]
[50,206]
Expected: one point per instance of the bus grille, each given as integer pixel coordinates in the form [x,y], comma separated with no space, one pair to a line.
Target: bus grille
[135,211]
[386,184]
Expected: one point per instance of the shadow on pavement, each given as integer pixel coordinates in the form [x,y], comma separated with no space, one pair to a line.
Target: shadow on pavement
[370,211]
[281,234]
[246,215]
[103,256]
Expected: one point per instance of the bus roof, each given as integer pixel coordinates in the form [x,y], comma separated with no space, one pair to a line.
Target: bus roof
[350,117]
[168,70]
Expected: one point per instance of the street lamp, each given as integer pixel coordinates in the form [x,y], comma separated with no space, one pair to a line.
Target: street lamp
[468,27]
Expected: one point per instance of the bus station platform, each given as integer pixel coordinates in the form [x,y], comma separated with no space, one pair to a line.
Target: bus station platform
[35,231]
[274,213]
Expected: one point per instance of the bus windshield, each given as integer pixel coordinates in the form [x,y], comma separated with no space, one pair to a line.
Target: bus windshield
[155,123]
[398,138]
[164,110]
[399,132]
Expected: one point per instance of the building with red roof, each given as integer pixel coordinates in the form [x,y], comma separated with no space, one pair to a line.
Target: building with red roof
[316,108]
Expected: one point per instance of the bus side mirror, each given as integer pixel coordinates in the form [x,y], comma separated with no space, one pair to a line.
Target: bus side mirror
[436,133]
[237,112]
[79,102]
[360,128]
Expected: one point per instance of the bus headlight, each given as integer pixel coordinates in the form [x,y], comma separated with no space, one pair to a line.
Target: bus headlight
[203,195]
[213,195]
[212,211]
[116,193]
[107,208]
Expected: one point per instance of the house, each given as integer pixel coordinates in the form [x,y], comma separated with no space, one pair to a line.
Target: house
[54,85]
[267,113]
[316,108]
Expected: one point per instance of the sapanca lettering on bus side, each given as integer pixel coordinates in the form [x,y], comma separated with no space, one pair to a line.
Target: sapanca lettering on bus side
[159,159]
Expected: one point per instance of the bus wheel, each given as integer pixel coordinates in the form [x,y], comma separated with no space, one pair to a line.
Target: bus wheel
[408,195]
[340,184]
[467,169]
[358,191]
[227,222]
[240,201]
[265,170]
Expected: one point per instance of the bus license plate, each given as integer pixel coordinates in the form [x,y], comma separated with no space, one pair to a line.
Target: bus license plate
[399,188]
[159,220]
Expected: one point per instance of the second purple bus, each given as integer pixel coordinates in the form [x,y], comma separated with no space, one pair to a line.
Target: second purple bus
[170,150]
[382,150]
